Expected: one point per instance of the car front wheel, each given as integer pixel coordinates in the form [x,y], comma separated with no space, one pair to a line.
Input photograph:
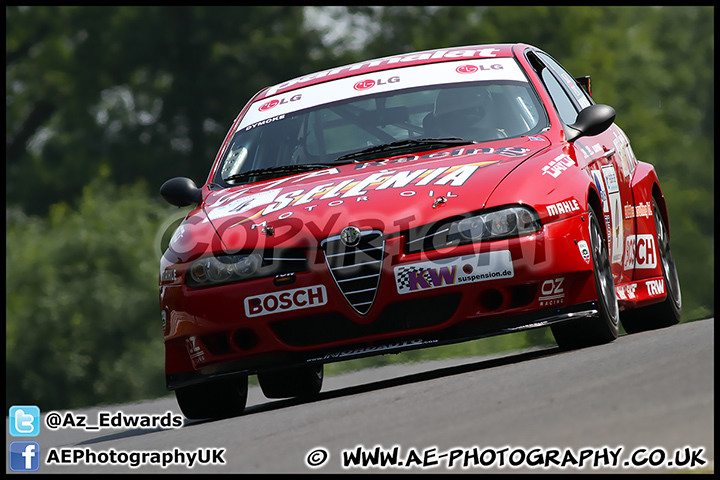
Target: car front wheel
[603,328]
[296,382]
[213,399]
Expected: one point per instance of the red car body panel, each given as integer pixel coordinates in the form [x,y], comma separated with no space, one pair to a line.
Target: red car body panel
[302,316]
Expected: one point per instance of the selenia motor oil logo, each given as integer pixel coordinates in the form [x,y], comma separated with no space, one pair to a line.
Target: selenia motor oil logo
[281,194]
[335,193]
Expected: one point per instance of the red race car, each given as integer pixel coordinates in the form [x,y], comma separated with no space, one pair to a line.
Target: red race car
[406,202]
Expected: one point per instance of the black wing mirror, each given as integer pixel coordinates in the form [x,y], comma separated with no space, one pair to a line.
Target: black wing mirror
[591,121]
[180,191]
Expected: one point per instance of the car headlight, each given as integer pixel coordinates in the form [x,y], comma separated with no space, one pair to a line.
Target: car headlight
[505,223]
[215,270]
[499,223]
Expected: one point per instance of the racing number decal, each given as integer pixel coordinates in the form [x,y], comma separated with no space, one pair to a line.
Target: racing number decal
[616,212]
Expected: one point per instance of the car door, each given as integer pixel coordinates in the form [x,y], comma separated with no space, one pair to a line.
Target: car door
[607,157]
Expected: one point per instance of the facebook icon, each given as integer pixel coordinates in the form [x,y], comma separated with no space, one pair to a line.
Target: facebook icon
[24,456]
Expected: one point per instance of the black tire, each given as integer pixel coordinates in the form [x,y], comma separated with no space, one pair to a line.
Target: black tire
[297,382]
[669,311]
[603,328]
[214,399]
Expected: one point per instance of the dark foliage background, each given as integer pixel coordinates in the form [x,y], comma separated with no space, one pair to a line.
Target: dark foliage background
[103,104]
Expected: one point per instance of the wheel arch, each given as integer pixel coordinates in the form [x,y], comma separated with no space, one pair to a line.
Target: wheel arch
[645,186]
[593,201]
[660,198]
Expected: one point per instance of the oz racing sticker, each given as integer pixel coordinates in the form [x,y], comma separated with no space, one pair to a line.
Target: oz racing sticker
[453,271]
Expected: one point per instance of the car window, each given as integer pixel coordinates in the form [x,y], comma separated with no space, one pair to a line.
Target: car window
[342,119]
[570,84]
[563,104]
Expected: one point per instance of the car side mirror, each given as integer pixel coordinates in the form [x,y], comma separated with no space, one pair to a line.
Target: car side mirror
[591,121]
[180,191]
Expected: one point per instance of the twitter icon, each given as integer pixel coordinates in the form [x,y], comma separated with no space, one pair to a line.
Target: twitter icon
[24,421]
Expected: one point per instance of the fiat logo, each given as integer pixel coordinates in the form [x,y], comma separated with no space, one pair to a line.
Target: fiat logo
[350,236]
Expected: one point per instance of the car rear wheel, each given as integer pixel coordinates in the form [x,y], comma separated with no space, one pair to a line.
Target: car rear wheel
[668,312]
[214,399]
[603,328]
[296,382]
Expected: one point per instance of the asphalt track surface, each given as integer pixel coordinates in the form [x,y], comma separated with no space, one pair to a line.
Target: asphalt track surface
[650,395]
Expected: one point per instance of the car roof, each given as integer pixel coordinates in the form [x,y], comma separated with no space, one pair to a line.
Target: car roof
[379,64]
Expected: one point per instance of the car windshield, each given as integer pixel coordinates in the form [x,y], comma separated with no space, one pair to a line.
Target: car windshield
[278,135]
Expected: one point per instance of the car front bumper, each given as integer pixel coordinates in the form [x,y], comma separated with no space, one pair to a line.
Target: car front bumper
[263,324]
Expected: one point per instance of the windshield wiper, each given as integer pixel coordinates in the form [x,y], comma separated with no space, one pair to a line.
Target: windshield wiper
[279,170]
[406,146]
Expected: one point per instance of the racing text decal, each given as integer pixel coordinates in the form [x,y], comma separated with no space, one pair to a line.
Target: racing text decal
[286,301]
[336,192]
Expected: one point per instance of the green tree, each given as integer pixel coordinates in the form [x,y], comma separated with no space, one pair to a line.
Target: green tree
[82,317]
[146,92]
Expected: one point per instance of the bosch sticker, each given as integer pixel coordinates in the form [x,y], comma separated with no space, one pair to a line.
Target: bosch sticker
[646,253]
[285,301]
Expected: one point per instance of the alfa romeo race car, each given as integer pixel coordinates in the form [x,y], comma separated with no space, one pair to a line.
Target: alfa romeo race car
[407,202]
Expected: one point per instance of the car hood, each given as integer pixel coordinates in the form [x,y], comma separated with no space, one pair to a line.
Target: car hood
[389,194]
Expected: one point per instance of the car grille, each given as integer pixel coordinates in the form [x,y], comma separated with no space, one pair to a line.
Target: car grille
[398,317]
[356,270]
